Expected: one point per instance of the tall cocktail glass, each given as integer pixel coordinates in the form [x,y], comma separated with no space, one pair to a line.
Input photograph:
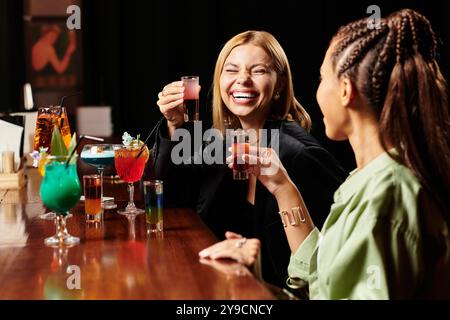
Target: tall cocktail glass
[60,191]
[47,118]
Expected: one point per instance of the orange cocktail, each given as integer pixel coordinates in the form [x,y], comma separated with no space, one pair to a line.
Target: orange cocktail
[47,119]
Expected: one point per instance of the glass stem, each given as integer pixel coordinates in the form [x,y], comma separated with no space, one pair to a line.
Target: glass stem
[131,206]
[61,229]
[100,172]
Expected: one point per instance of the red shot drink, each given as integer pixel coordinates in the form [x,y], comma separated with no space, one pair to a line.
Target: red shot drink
[191,101]
[241,147]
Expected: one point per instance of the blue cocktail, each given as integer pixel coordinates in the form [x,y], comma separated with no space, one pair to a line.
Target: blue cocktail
[97,156]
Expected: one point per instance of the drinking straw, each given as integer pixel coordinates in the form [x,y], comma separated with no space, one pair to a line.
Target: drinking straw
[63,99]
[68,96]
[78,142]
[148,137]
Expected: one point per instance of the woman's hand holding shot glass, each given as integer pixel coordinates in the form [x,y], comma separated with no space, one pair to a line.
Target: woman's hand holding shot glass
[170,103]
[265,164]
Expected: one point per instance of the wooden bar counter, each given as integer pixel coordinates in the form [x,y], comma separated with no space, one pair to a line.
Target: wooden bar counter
[112,261]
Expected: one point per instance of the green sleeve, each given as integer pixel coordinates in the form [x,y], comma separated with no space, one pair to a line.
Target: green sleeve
[372,251]
[302,266]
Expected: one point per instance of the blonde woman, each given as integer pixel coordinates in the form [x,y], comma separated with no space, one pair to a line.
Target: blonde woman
[252,89]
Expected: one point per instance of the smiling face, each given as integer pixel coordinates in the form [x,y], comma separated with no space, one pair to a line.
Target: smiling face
[248,83]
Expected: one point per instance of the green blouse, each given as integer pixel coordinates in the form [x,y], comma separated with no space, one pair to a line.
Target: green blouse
[374,242]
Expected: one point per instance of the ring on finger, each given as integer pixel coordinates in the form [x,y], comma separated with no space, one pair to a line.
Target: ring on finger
[241,242]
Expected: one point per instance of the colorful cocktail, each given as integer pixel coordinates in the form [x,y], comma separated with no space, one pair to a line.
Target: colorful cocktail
[153,198]
[47,119]
[60,191]
[191,98]
[93,197]
[130,164]
[241,147]
[100,156]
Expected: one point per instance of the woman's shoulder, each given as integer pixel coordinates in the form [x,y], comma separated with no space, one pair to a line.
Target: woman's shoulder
[392,194]
[390,176]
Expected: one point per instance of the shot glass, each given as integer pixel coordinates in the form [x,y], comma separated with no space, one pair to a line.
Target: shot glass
[240,146]
[153,195]
[191,103]
[93,198]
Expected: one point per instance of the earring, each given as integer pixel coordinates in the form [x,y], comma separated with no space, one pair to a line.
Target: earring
[276,96]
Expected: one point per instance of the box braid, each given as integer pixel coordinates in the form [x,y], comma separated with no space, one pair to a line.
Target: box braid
[395,70]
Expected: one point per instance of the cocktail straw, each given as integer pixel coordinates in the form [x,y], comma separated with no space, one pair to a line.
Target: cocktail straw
[68,96]
[63,99]
[78,142]
[148,137]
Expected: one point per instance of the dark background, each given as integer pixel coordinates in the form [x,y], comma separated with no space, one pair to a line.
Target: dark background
[131,49]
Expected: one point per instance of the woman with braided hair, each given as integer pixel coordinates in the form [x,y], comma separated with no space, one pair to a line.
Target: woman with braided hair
[386,236]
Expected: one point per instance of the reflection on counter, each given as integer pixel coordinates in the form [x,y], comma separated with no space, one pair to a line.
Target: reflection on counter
[12,225]
[63,280]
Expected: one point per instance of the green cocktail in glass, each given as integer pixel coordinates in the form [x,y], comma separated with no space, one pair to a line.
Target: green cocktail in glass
[60,191]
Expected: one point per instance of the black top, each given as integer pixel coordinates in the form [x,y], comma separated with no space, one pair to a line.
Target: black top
[222,202]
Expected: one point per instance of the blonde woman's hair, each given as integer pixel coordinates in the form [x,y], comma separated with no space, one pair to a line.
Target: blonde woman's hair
[285,107]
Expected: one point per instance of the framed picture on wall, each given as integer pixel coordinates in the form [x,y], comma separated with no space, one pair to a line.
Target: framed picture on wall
[53,55]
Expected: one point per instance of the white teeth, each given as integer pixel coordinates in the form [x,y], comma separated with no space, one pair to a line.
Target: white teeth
[244,95]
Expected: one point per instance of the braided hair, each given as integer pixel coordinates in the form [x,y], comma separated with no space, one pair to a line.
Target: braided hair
[395,70]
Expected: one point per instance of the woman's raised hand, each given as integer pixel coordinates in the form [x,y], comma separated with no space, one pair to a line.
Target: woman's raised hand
[170,103]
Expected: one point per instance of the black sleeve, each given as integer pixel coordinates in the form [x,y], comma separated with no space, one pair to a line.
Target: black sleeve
[317,175]
[181,182]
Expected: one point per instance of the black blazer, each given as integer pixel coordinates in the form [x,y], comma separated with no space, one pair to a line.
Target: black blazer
[221,201]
